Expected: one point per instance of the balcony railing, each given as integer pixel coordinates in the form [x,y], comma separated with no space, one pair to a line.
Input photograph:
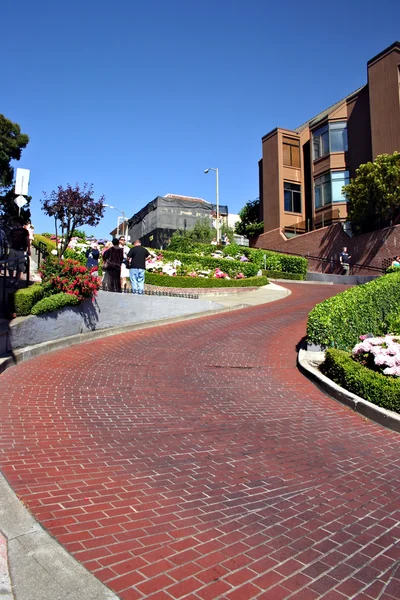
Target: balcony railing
[319,221]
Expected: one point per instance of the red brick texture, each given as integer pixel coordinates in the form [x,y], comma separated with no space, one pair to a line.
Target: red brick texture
[375,249]
[195,461]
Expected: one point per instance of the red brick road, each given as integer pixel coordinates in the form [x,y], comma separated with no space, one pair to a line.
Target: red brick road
[195,461]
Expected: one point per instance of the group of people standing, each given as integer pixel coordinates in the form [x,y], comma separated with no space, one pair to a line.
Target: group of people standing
[119,263]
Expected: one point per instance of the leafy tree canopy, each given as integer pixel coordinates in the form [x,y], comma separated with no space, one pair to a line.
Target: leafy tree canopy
[374,194]
[202,232]
[12,141]
[250,224]
[71,208]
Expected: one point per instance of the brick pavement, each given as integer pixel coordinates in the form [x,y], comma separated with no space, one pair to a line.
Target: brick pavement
[195,461]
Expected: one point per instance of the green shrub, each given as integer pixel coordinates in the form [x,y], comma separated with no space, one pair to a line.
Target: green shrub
[379,389]
[282,275]
[202,282]
[392,269]
[231,250]
[26,298]
[67,276]
[339,321]
[78,255]
[50,244]
[54,302]
[231,267]
[392,324]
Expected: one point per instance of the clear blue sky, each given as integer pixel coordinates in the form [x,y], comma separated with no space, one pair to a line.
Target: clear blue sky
[139,98]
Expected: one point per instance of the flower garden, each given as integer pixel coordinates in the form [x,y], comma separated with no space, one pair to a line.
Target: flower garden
[360,330]
[67,281]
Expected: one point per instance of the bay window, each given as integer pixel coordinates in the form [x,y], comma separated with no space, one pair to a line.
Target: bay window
[328,188]
[330,138]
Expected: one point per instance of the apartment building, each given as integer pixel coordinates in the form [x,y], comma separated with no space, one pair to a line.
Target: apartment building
[302,172]
[155,223]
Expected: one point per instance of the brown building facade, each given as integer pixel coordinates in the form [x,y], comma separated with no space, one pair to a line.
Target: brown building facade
[302,172]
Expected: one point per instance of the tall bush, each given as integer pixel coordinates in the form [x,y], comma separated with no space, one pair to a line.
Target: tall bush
[339,321]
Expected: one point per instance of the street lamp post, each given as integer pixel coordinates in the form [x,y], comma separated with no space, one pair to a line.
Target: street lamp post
[123,218]
[217,198]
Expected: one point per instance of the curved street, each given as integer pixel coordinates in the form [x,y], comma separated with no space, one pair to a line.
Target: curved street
[195,461]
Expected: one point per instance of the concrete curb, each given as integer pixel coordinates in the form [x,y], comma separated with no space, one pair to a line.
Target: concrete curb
[39,567]
[309,362]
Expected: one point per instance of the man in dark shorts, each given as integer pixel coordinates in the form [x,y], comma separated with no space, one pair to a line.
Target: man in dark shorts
[19,246]
[345,261]
[137,265]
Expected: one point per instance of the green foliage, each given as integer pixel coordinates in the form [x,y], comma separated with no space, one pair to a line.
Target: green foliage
[54,302]
[181,243]
[26,298]
[393,269]
[78,255]
[78,233]
[50,245]
[231,250]
[202,282]
[339,321]
[12,142]
[282,275]
[9,209]
[282,263]
[231,267]
[391,324]
[374,194]
[379,389]
[67,276]
[250,223]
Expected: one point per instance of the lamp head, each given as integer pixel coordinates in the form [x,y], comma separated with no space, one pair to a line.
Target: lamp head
[207,170]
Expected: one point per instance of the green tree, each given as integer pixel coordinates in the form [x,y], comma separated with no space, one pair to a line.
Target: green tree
[374,194]
[12,142]
[9,209]
[250,223]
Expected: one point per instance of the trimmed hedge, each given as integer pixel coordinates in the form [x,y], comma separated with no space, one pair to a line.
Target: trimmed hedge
[202,282]
[282,275]
[379,389]
[50,245]
[274,260]
[339,321]
[26,298]
[54,302]
[231,267]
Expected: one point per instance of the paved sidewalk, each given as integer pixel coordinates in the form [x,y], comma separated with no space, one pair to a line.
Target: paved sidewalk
[195,461]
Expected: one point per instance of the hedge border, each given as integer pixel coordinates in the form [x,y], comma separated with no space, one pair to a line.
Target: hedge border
[202,282]
[380,390]
[339,321]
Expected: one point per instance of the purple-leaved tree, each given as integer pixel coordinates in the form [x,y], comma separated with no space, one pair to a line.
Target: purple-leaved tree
[71,208]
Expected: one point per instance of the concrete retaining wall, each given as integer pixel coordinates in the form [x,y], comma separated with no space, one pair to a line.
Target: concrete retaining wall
[108,310]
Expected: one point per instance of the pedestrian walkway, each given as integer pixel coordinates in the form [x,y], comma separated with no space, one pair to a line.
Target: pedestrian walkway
[195,461]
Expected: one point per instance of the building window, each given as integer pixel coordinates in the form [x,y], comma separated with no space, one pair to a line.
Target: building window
[330,138]
[292,197]
[328,188]
[291,152]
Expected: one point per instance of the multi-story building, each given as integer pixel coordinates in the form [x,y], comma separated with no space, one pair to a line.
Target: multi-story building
[302,172]
[155,223]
